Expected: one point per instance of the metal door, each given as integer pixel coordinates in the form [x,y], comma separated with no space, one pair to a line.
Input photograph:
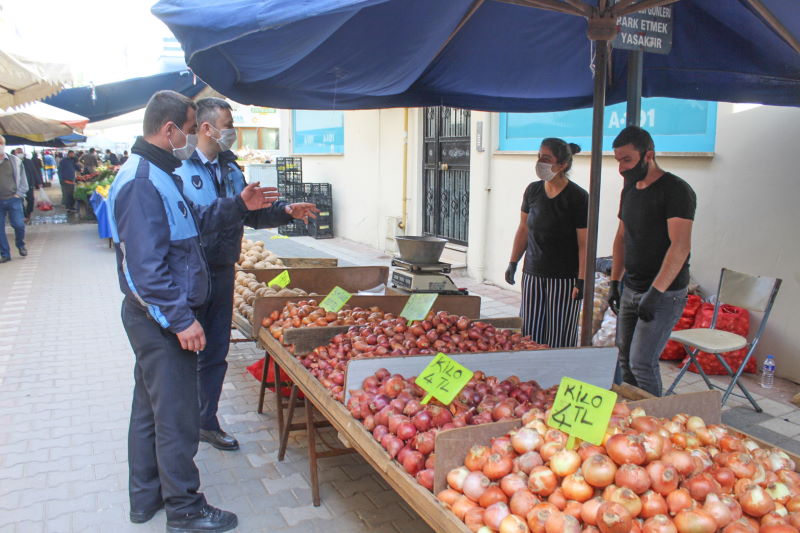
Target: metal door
[446,173]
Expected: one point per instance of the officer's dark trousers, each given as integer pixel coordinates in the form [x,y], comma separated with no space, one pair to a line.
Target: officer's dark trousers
[164,430]
[215,318]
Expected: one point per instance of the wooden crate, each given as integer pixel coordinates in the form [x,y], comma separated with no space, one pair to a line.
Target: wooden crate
[306,339]
[463,305]
[418,497]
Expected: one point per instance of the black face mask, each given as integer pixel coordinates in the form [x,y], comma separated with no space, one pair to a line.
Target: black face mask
[636,173]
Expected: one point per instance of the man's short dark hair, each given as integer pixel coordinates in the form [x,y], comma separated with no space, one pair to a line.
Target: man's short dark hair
[70,152]
[636,136]
[163,107]
[208,109]
[91,150]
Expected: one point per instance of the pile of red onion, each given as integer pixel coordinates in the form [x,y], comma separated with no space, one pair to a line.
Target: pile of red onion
[393,337]
[389,406]
[308,313]
[650,475]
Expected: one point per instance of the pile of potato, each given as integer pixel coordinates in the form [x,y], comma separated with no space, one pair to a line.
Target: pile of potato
[248,288]
[254,255]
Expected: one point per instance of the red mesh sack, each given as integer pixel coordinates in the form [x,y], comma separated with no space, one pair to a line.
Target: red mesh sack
[730,318]
[674,350]
[257,368]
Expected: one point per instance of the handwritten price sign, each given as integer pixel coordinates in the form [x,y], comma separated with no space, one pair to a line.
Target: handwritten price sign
[443,379]
[281,280]
[581,410]
[417,306]
[335,300]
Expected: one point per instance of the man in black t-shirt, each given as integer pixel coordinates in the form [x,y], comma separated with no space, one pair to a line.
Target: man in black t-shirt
[651,248]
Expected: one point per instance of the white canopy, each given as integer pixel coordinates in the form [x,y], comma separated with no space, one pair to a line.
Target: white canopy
[23,80]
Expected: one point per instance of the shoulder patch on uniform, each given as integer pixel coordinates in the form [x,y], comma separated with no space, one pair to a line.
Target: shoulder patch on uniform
[197,181]
[182,207]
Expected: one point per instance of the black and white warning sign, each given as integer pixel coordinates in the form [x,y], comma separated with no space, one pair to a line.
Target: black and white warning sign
[648,30]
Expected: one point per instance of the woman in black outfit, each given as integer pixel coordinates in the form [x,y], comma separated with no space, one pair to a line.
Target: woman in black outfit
[552,235]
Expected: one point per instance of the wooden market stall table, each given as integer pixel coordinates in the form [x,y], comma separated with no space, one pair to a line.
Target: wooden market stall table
[319,399]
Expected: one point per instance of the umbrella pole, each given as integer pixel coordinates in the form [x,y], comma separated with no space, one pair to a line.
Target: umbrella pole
[600,73]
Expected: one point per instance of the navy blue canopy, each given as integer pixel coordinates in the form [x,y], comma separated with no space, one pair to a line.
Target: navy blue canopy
[59,142]
[114,99]
[355,54]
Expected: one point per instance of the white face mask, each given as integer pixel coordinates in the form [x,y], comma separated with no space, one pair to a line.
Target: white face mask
[545,171]
[186,151]
[2,149]
[226,138]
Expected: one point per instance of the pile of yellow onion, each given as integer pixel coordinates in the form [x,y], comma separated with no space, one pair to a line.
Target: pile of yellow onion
[650,475]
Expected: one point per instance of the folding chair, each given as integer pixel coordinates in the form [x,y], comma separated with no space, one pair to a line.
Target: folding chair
[754,293]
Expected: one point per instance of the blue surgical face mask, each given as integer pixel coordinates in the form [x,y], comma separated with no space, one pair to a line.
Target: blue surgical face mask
[186,151]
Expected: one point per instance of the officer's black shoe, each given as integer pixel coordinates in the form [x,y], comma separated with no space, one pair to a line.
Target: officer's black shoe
[140,517]
[5,259]
[209,519]
[23,251]
[219,439]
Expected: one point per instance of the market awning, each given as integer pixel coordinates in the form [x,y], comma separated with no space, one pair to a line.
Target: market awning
[59,142]
[102,102]
[489,55]
[39,122]
[23,80]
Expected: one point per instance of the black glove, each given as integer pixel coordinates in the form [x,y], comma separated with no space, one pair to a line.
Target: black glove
[510,271]
[613,297]
[579,286]
[649,303]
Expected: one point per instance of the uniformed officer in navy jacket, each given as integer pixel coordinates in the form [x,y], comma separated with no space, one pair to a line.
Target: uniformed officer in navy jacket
[164,276]
[209,174]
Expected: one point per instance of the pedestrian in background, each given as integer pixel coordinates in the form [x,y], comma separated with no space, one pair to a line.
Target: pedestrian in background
[651,249]
[552,235]
[13,186]
[49,167]
[67,172]
[89,161]
[34,177]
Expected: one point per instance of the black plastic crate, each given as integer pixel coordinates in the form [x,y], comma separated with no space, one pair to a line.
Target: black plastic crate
[290,176]
[320,227]
[289,164]
[319,194]
[318,190]
[295,228]
[292,192]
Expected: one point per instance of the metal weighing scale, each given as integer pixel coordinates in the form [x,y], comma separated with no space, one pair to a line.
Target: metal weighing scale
[418,268]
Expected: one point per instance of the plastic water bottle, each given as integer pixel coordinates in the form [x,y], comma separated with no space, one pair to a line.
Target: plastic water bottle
[768,372]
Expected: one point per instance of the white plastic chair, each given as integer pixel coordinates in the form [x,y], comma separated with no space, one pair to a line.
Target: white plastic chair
[754,293]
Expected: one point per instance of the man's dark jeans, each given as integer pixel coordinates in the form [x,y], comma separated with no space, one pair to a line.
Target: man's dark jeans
[641,343]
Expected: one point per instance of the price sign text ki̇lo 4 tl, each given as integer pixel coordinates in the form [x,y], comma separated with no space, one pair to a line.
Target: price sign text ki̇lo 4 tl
[581,410]
[443,379]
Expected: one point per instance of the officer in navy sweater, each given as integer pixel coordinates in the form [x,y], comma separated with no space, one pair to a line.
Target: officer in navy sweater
[211,173]
[164,277]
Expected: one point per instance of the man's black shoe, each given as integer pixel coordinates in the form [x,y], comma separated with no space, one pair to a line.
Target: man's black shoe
[23,251]
[219,439]
[209,519]
[140,517]
[5,259]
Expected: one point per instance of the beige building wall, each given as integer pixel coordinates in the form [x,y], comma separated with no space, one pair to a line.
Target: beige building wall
[747,215]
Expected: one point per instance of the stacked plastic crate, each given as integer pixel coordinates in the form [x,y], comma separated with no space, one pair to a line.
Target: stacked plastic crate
[290,188]
[320,194]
